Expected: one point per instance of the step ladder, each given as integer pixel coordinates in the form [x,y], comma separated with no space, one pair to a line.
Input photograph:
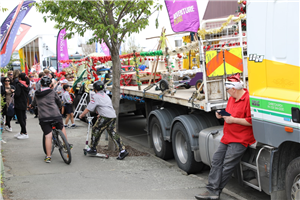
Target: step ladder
[81,103]
[258,187]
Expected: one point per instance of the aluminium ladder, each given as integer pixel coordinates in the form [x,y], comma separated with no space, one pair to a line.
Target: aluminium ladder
[81,103]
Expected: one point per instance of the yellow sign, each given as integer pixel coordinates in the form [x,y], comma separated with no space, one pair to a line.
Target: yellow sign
[215,62]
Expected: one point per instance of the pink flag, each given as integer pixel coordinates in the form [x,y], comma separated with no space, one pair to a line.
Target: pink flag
[104,48]
[183,15]
[62,50]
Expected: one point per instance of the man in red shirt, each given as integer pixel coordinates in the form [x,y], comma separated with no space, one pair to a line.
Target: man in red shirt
[238,135]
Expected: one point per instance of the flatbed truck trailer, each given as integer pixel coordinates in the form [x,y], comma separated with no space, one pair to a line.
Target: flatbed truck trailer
[189,131]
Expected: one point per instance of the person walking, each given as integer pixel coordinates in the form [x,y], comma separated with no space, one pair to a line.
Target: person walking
[21,94]
[8,92]
[238,135]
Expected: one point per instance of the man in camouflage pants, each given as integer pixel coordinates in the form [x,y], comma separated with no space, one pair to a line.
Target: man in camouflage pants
[107,120]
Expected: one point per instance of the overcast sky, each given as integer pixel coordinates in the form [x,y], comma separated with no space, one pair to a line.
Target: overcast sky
[35,19]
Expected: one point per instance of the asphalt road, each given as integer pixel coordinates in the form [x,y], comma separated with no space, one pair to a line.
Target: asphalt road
[139,135]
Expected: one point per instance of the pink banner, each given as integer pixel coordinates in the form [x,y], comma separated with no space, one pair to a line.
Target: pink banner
[104,48]
[183,15]
[62,50]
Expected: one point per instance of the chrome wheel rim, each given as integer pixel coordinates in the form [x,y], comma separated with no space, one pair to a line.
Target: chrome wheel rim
[295,190]
[156,136]
[181,147]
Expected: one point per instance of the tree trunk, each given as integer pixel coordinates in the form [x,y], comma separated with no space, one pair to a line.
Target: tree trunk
[115,87]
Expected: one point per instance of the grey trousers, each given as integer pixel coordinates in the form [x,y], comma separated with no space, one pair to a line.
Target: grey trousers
[223,163]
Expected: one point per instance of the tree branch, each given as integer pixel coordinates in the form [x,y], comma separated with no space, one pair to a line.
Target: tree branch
[121,13]
[100,12]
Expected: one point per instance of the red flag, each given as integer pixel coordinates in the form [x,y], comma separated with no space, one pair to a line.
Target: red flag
[26,69]
[24,28]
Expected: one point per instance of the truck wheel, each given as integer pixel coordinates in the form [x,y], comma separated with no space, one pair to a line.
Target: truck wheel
[183,154]
[162,149]
[164,85]
[292,180]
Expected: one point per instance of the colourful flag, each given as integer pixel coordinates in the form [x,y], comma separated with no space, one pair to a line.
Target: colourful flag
[35,59]
[24,28]
[6,51]
[105,49]
[183,15]
[61,50]
[22,59]
[7,22]
[4,39]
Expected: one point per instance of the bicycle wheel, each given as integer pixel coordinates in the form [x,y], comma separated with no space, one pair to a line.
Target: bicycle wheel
[44,146]
[63,147]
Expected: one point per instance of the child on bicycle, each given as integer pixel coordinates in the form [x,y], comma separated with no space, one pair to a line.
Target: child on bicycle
[48,104]
[106,120]
[68,106]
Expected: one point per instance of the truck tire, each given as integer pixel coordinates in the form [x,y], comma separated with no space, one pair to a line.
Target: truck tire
[183,154]
[292,180]
[162,148]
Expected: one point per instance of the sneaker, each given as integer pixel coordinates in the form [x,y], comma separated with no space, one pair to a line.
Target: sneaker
[47,159]
[122,155]
[92,151]
[17,135]
[207,195]
[73,126]
[66,126]
[8,129]
[23,137]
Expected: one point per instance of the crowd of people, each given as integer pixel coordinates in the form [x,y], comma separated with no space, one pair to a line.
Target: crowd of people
[47,96]
[19,90]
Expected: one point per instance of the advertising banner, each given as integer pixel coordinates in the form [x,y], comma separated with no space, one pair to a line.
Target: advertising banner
[7,47]
[183,15]
[61,50]
[6,24]
[104,48]
[5,37]
[24,28]
[22,59]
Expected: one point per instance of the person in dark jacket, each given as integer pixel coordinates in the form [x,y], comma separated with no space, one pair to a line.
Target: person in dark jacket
[7,94]
[21,94]
[48,103]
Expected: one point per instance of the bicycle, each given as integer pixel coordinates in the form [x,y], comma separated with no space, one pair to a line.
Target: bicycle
[59,141]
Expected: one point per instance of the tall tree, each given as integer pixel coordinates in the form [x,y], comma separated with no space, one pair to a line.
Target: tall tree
[109,20]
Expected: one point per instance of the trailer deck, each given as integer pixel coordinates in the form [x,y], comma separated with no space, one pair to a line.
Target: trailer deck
[181,97]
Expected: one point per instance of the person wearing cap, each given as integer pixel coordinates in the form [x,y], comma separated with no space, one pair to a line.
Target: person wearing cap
[238,135]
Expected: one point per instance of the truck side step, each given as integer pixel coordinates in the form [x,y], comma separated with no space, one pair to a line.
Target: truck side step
[254,168]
